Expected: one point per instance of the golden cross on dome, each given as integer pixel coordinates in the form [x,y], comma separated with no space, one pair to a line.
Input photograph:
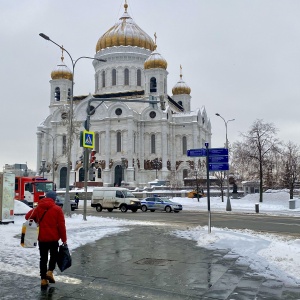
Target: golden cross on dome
[125,5]
[62,53]
[180,72]
[155,38]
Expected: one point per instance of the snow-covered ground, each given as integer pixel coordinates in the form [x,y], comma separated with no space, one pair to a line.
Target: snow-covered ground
[272,255]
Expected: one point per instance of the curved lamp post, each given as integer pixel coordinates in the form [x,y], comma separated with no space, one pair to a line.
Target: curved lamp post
[67,205]
[228,204]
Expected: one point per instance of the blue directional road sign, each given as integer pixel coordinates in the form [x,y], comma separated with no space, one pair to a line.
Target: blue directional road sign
[88,139]
[218,167]
[218,151]
[218,159]
[196,152]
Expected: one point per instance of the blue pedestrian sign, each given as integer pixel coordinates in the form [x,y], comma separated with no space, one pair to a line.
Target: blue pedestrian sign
[88,139]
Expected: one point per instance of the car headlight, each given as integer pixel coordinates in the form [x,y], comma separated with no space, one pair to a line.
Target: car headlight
[134,202]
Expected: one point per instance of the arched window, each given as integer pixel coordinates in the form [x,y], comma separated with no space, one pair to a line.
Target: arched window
[153,85]
[153,143]
[57,94]
[97,144]
[103,78]
[114,77]
[184,173]
[119,141]
[69,94]
[99,173]
[184,145]
[64,144]
[139,78]
[126,77]
[180,103]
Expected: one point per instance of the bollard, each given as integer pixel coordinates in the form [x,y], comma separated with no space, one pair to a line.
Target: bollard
[292,204]
[257,207]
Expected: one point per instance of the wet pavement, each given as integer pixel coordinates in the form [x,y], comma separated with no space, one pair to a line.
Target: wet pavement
[148,263]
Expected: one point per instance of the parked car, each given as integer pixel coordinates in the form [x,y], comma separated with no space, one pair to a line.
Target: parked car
[160,203]
[60,202]
[111,198]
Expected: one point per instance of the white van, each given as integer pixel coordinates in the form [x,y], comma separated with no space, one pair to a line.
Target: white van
[111,198]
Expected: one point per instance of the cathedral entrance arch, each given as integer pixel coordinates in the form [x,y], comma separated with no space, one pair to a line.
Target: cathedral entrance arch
[81,175]
[63,177]
[118,175]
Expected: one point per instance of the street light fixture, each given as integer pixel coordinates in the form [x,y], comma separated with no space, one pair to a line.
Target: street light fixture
[67,205]
[228,204]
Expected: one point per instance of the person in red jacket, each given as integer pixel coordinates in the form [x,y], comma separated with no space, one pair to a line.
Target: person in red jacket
[52,228]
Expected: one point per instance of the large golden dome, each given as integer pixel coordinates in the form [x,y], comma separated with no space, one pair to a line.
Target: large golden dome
[125,33]
[181,88]
[62,71]
[155,60]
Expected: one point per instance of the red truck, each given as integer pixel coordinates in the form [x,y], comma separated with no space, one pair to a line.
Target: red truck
[32,189]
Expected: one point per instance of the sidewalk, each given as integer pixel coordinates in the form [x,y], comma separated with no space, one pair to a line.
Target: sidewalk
[148,263]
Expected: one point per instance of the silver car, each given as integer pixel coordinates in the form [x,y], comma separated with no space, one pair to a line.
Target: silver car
[160,203]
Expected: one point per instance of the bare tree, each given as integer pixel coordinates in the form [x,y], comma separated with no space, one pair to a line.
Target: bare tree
[221,182]
[291,166]
[174,181]
[255,150]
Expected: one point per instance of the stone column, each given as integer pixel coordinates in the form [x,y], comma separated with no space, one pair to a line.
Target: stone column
[129,152]
[164,145]
[39,152]
[106,171]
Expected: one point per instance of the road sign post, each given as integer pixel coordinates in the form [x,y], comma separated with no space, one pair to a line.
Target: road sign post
[216,160]
[208,188]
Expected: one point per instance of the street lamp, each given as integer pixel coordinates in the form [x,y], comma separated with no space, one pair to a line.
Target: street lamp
[53,157]
[43,166]
[67,205]
[228,204]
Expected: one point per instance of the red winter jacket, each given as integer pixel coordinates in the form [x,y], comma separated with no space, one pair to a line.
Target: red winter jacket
[52,227]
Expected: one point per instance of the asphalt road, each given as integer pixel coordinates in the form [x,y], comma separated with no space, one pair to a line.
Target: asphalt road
[283,225]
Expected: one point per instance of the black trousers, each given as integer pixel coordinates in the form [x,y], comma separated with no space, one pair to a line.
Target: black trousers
[45,248]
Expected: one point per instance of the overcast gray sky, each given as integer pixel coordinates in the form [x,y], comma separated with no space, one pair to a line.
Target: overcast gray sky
[241,59]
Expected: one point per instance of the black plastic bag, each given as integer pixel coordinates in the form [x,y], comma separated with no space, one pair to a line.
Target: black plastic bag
[64,260]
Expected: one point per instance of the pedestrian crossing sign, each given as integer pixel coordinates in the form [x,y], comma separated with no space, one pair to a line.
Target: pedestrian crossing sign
[88,139]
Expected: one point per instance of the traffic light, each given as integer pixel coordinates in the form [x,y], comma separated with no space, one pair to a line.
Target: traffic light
[93,156]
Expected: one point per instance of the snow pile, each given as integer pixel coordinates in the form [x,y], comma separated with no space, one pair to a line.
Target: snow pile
[269,254]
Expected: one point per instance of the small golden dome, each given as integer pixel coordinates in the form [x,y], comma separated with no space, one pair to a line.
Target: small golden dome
[155,60]
[181,88]
[62,71]
[125,33]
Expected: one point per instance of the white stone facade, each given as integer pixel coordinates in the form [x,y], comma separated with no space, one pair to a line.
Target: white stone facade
[136,132]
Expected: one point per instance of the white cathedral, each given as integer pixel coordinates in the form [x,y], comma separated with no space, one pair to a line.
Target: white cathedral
[135,142]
